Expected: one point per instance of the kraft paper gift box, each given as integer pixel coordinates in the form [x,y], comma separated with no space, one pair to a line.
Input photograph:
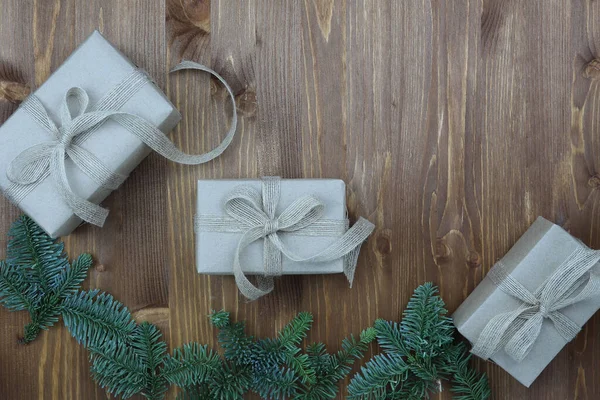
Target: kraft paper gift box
[536,256]
[214,250]
[96,66]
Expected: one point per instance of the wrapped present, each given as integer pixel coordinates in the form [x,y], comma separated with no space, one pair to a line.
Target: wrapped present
[532,302]
[272,227]
[75,140]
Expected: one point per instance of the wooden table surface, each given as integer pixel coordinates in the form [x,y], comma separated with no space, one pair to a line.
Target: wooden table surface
[454,123]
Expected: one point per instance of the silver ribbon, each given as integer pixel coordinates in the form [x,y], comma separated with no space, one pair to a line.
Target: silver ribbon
[254,215]
[516,331]
[78,120]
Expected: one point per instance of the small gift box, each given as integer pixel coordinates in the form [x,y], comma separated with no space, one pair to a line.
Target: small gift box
[532,302]
[97,67]
[75,140]
[274,227]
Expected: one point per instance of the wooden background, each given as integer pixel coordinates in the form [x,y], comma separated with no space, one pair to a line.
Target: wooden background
[454,123]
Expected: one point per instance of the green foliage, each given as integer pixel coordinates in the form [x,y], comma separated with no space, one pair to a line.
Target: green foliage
[151,351]
[191,365]
[16,293]
[128,368]
[128,359]
[94,318]
[277,368]
[419,353]
[467,384]
[37,276]
[32,250]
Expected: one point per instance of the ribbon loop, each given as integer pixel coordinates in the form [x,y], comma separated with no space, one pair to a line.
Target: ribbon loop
[517,331]
[301,213]
[75,104]
[255,217]
[77,120]
[31,164]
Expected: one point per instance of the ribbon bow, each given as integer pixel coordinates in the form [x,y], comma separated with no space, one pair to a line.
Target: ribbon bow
[518,330]
[254,216]
[77,121]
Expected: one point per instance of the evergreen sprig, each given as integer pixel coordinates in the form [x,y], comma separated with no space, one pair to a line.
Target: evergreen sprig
[128,358]
[418,354]
[37,276]
[278,368]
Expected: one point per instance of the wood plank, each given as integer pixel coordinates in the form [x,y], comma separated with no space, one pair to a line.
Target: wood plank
[454,124]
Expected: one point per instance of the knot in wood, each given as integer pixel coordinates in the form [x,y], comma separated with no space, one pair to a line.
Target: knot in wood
[474,260]
[592,70]
[442,250]
[383,242]
[594,181]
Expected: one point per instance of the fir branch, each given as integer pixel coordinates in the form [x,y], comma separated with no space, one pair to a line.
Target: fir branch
[48,310]
[37,276]
[30,248]
[16,293]
[418,354]
[70,279]
[93,318]
[351,350]
[150,351]
[229,382]
[295,331]
[276,383]
[424,326]
[116,369]
[233,338]
[383,373]
[329,370]
[467,384]
[190,366]
[202,393]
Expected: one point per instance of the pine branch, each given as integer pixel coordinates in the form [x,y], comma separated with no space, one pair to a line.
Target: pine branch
[278,383]
[300,364]
[93,318]
[233,338]
[31,249]
[230,382]
[351,350]
[390,338]
[467,384]
[37,276]
[373,379]
[116,368]
[16,293]
[202,393]
[295,331]
[190,366]
[150,351]
[70,279]
[329,370]
[424,326]
[418,354]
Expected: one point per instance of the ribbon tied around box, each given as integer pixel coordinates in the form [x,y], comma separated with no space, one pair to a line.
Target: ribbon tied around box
[254,215]
[516,331]
[78,120]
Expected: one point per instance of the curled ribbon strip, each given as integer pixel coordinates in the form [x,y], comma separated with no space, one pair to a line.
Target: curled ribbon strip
[77,121]
[516,331]
[253,215]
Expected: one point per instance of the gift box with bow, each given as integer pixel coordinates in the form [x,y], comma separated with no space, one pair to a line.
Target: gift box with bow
[273,227]
[532,302]
[75,140]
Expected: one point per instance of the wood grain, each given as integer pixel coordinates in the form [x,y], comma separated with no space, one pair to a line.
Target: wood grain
[454,123]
